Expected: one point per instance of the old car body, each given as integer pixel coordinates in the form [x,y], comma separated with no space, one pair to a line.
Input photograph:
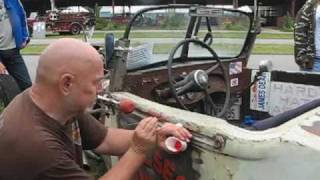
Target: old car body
[64,20]
[198,77]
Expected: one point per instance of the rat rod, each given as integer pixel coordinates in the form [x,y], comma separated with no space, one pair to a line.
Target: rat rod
[189,66]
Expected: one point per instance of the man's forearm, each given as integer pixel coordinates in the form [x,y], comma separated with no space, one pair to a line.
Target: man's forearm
[116,143]
[127,166]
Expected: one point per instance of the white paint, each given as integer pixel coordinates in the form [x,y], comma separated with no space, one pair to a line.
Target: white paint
[286,96]
[171,147]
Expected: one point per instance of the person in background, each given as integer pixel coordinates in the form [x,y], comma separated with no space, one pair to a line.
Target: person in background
[307,36]
[13,37]
[44,140]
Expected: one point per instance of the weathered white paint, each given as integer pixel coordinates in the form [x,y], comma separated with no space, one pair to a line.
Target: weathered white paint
[287,152]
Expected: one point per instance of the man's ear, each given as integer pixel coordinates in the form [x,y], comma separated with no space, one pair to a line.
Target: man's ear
[66,83]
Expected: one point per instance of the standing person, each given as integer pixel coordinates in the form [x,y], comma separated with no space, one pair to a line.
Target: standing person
[307,36]
[45,138]
[13,37]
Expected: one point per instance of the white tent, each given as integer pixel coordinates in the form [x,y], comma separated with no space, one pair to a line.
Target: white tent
[106,11]
[74,9]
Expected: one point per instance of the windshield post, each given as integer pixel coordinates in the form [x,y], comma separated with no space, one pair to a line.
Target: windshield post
[119,64]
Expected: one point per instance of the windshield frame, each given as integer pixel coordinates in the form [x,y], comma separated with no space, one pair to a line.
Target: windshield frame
[244,49]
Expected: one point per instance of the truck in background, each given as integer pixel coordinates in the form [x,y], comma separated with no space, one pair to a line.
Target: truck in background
[69,20]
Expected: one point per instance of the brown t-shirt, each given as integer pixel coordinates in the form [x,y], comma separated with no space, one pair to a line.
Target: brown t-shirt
[35,146]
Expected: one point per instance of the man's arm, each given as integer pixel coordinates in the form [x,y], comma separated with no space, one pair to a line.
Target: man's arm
[116,142]
[23,19]
[141,142]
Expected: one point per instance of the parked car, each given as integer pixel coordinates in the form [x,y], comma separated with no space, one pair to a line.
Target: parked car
[191,68]
[70,20]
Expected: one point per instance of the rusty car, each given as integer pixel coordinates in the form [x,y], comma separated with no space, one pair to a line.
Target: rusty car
[64,20]
[190,66]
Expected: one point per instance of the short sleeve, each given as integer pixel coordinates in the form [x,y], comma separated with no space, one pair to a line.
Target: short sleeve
[65,169]
[92,131]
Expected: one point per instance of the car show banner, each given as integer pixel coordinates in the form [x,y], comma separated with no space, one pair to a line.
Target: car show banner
[285,96]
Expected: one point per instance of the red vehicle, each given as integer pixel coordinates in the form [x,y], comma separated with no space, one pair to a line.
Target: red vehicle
[64,21]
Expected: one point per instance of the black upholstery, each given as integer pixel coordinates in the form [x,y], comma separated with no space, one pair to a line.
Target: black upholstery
[285,116]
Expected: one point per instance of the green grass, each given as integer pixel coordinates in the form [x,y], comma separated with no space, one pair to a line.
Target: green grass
[275,36]
[277,49]
[33,49]
[273,49]
[119,34]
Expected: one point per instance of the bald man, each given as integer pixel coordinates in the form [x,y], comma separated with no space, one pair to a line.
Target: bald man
[45,128]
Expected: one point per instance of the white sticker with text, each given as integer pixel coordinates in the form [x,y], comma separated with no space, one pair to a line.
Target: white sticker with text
[234,82]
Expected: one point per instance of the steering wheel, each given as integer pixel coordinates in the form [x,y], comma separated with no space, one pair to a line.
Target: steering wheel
[197,80]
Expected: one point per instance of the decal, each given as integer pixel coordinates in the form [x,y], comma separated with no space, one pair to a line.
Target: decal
[235,67]
[286,96]
[166,167]
[234,82]
[209,12]
[260,92]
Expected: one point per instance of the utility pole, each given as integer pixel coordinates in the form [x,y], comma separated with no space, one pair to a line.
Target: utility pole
[235,3]
[53,5]
[293,8]
[112,8]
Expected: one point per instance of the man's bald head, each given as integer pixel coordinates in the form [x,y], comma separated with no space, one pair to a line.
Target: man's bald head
[65,55]
[68,78]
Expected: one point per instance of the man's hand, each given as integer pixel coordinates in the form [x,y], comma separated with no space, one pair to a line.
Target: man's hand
[25,43]
[3,69]
[169,129]
[144,137]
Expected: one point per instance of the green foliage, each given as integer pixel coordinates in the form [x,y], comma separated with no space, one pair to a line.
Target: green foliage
[107,24]
[235,27]
[2,106]
[235,24]
[173,22]
[288,23]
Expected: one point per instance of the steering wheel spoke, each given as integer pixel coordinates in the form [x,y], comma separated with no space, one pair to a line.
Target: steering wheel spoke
[213,107]
[180,83]
[213,68]
[184,89]
[197,80]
